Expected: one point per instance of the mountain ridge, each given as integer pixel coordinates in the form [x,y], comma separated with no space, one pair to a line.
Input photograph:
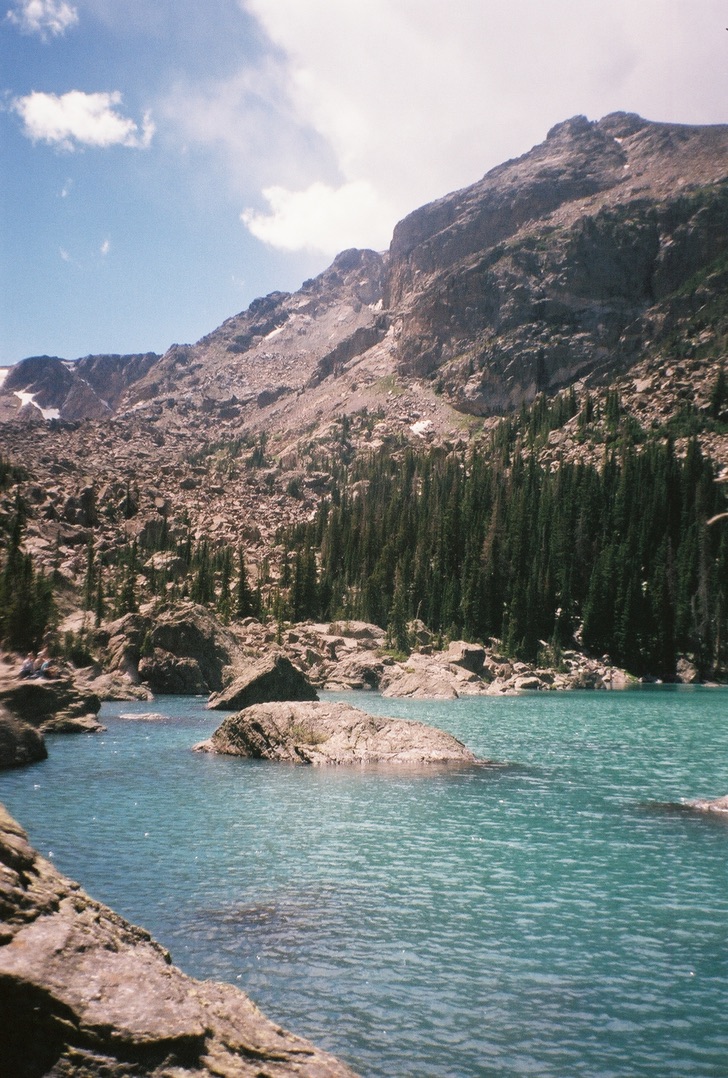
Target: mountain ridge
[555,266]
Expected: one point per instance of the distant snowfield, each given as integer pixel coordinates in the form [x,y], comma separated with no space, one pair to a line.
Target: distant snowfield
[4,372]
[29,398]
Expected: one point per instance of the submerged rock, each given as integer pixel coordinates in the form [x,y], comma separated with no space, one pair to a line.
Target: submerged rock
[20,743]
[84,992]
[271,678]
[332,733]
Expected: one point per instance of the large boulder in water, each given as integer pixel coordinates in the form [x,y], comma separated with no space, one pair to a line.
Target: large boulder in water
[271,678]
[20,743]
[83,992]
[332,733]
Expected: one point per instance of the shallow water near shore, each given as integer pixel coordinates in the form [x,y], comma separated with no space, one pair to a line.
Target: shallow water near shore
[538,919]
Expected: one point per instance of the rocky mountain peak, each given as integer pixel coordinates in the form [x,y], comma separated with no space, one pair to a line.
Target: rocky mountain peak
[567,264]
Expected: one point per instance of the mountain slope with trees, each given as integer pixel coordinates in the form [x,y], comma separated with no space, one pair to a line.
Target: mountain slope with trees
[512,425]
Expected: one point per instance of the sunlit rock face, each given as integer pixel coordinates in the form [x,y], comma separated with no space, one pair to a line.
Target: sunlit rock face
[562,264]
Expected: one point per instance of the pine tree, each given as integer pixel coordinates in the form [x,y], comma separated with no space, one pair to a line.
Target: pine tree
[244,599]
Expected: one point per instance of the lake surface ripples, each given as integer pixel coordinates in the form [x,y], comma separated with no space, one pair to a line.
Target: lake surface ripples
[544,918]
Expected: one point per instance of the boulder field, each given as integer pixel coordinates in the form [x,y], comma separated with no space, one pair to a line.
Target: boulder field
[332,733]
[186,650]
[83,992]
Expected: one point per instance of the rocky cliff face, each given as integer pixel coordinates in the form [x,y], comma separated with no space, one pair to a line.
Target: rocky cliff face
[561,264]
[51,388]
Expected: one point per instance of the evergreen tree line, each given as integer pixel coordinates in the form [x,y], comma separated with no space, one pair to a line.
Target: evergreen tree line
[619,558]
[26,595]
[211,575]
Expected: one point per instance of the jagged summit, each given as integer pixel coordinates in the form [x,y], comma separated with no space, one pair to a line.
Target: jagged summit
[564,264]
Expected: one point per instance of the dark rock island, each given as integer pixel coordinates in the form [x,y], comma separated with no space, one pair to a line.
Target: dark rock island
[272,677]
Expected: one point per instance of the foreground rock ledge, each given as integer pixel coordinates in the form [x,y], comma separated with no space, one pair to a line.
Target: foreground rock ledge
[332,733]
[83,992]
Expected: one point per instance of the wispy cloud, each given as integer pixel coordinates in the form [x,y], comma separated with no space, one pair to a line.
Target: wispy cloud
[77,119]
[248,121]
[46,18]
[105,247]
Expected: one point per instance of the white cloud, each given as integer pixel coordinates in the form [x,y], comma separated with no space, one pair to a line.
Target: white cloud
[47,18]
[105,247]
[80,119]
[322,218]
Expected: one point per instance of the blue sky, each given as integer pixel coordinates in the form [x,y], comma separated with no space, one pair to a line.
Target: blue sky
[164,162]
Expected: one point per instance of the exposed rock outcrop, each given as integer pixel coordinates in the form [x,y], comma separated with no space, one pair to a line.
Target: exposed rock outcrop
[273,677]
[89,388]
[470,670]
[83,992]
[554,265]
[177,650]
[171,674]
[53,705]
[332,733]
[20,743]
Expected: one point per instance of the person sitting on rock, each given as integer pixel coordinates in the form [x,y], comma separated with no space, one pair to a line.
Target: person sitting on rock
[28,667]
[45,666]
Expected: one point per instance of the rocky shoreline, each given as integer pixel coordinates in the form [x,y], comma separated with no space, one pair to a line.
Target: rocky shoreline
[84,992]
[183,649]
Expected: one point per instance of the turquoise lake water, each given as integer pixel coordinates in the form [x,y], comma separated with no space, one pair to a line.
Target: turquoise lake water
[545,918]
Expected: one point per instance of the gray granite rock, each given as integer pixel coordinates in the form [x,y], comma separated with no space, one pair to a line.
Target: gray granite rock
[20,743]
[53,705]
[274,677]
[332,733]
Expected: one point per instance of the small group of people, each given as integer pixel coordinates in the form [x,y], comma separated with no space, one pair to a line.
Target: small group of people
[40,665]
